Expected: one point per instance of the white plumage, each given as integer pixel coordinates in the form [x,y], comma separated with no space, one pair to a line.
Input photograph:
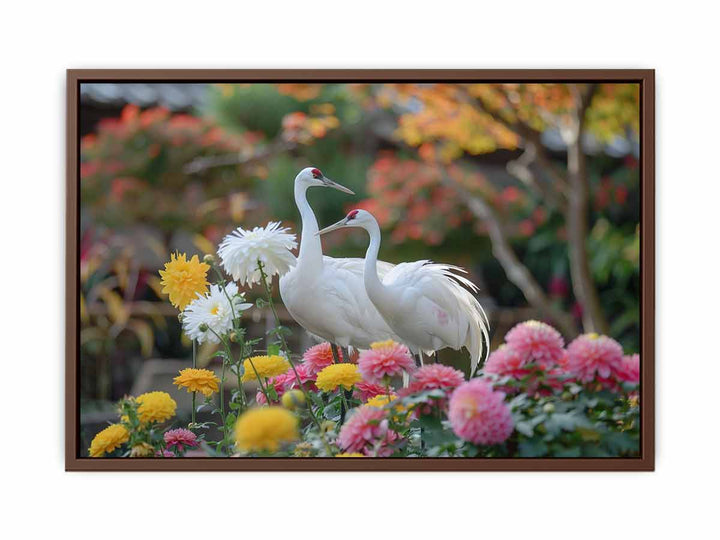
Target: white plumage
[429,306]
[324,295]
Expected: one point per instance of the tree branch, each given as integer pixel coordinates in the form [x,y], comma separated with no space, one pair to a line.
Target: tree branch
[201,164]
[516,272]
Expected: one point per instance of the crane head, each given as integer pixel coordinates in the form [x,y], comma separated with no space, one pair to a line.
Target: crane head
[355,218]
[310,176]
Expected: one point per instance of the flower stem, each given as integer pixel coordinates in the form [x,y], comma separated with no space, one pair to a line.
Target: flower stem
[266,286]
[194,365]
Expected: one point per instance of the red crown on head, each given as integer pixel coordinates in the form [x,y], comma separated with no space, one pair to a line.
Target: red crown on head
[352,214]
[316,173]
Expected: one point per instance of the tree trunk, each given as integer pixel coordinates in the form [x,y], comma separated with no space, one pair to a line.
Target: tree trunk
[577,217]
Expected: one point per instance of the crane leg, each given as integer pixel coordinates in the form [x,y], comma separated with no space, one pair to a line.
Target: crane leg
[336,355]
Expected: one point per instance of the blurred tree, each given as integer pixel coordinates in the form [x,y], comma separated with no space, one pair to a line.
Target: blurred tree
[448,124]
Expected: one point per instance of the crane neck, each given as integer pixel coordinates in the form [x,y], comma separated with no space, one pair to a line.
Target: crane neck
[310,247]
[373,285]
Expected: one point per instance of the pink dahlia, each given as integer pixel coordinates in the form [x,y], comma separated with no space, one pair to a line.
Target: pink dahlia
[479,414]
[366,390]
[385,359]
[318,357]
[630,369]
[288,381]
[181,438]
[536,342]
[592,357]
[434,376]
[279,383]
[505,360]
[367,432]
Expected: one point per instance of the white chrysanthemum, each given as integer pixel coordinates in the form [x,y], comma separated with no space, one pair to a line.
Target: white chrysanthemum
[214,311]
[241,250]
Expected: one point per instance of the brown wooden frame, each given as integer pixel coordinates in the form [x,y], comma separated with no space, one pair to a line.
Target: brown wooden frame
[646,462]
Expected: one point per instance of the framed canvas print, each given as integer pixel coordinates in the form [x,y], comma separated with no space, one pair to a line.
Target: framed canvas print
[360,270]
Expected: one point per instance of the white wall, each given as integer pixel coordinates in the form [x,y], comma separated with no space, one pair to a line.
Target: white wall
[38,43]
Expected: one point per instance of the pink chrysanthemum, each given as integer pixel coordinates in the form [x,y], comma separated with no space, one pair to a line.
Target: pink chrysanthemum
[479,414]
[434,376]
[593,357]
[367,432]
[536,342]
[385,359]
[318,357]
[288,381]
[505,360]
[181,438]
[279,383]
[366,390]
[630,369]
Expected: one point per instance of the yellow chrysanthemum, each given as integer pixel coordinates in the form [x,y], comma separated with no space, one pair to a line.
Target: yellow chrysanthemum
[155,407]
[350,454]
[265,428]
[266,366]
[183,279]
[334,375]
[382,344]
[108,440]
[198,380]
[142,449]
[381,400]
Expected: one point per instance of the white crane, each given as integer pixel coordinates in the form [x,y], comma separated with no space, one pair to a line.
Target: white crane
[428,305]
[325,295]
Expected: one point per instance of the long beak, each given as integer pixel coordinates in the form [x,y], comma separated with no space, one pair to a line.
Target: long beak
[330,183]
[339,225]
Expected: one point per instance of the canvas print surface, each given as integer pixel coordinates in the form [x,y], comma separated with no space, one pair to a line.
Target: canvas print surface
[414,270]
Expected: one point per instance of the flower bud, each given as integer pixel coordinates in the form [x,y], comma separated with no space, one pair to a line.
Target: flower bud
[327,426]
[142,449]
[293,399]
[548,408]
[209,259]
[203,327]
[233,337]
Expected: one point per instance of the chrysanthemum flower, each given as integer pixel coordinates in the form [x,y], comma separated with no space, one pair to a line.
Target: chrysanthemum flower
[334,375]
[350,454]
[591,357]
[536,342]
[385,359]
[155,407]
[630,369]
[265,366]
[365,390]
[319,356]
[142,449]
[505,360]
[382,401]
[198,380]
[241,250]
[108,440]
[181,438]
[183,280]
[432,376]
[367,432]
[479,414]
[265,428]
[210,316]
